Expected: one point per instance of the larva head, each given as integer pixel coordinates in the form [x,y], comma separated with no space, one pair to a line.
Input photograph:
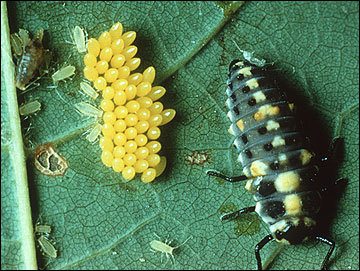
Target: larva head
[292,231]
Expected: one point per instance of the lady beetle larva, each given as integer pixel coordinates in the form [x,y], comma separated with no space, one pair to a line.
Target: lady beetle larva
[30,61]
[278,163]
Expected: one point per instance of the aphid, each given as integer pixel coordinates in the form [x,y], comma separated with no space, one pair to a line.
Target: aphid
[79,39]
[88,90]
[30,61]
[94,133]
[164,247]
[47,247]
[278,163]
[63,73]
[88,110]
[30,108]
[42,229]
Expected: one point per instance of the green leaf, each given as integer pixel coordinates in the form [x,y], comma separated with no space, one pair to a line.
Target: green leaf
[97,220]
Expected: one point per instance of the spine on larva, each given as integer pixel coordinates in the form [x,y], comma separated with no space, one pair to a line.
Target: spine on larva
[272,149]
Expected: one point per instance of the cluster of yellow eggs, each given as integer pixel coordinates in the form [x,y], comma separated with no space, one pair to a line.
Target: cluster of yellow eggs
[132,113]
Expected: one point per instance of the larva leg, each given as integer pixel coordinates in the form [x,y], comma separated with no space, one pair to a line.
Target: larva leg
[259,246]
[239,212]
[226,178]
[331,249]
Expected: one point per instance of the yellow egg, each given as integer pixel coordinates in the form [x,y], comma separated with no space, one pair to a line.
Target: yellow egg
[131,119]
[130,146]
[106,144]
[156,93]
[148,175]
[153,133]
[111,75]
[129,37]
[109,117]
[167,116]
[145,102]
[130,51]
[108,130]
[128,173]
[142,126]
[149,75]
[106,54]
[105,40]
[90,60]
[153,159]
[141,140]
[93,47]
[118,164]
[133,63]
[130,92]
[116,31]
[90,73]
[133,106]
[119,151]
[154,146]
[124,72]
[129,159]
[120,97]
[130,133]
[120,139]
[135,78]
[117,61]
[143,89]
[121,112]
[155,120]
[107,158]
[100,83]
[102,66]
[117,46]
[156,108]
[141,165]
[161,166]
[120,125]
[143,114]
[120,85]
[107,105]
[108,93]
[142,153]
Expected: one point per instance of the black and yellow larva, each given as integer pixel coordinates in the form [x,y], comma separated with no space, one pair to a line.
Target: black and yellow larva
[278,162]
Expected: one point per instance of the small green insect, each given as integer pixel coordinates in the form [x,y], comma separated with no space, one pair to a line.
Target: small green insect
[88,110]
[42,229]
[79,38]
[47,247]
[94,133]
[63,73]
[164,247]
[88,90]
[30,108]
